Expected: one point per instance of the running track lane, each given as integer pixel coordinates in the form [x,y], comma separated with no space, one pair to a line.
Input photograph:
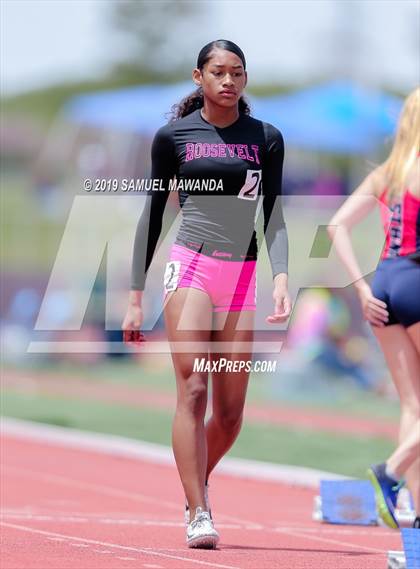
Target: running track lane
[67,508]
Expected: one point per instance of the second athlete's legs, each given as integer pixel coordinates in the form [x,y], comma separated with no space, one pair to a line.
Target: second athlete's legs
[401,348]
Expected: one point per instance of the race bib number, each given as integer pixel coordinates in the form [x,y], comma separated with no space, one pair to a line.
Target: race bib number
[251,188]
[171,275]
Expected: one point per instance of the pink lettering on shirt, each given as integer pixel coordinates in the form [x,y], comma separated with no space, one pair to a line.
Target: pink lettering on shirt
[231,149]
[198,150]
[214,151]
[256,150]
[248,156]
[195,150]
[189,148]
[240,150]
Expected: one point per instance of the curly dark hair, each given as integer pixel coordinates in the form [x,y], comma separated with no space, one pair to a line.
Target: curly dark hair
[195,100]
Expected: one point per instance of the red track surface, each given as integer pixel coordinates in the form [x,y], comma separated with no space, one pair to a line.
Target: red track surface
[66,508]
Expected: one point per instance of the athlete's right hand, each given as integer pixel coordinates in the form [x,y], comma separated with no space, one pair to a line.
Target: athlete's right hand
[132,323]
[374,310]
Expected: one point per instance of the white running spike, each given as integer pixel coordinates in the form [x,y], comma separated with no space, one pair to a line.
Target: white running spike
[201,532]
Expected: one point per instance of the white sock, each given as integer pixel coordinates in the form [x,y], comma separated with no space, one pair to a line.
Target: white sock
[391,474]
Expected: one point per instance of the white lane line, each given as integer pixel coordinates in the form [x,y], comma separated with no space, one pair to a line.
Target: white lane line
[341,531]
[41,510]
[78,545]
[58,518]
[111,521]
[159,553]
[126,558]
[303,530]
[139,497]
[329,540]
[110,491]
[147,551]
[319,529]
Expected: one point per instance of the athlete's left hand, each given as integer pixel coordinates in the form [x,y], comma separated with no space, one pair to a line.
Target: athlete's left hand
[282,306]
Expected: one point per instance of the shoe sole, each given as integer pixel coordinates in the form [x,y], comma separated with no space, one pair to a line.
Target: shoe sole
[204,542]
[381,504]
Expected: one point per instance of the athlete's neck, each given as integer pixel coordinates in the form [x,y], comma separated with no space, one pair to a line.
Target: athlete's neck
[219,116]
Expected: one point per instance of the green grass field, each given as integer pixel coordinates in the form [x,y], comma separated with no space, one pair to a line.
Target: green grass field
[344,454]
[337,453]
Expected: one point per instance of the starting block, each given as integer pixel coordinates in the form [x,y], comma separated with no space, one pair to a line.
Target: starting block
[352,502]
[410,557]
[348,502]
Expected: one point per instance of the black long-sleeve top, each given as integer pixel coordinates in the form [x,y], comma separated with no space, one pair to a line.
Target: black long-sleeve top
[239,162]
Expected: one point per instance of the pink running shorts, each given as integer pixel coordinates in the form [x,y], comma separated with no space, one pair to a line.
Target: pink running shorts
[231,285]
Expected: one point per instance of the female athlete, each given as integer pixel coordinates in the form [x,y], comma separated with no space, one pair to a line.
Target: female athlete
[392,304]
[210,281]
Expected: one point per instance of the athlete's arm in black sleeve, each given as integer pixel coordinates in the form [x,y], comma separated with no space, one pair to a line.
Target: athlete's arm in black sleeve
[150,223]
[274,225]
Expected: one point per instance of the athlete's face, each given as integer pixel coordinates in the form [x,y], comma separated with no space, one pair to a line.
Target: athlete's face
[223,78]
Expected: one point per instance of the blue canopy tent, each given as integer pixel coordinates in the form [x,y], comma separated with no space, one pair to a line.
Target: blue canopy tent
[139,109]
[336,117]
